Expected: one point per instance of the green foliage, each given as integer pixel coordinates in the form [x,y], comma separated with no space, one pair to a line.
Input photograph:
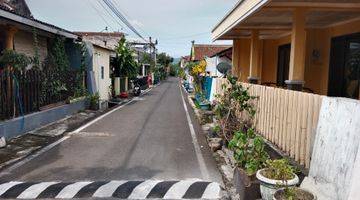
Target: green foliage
[147,59]
[175,69]
[164,60]
[57,54]
[279,170]
[235,109]
[249,151]
[94,101]
[124,63]
[11,58]
[36,58]
[59,81]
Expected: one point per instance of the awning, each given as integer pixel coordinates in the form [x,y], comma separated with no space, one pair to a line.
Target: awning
[273,18]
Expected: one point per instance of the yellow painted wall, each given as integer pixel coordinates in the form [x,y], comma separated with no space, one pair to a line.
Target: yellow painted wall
[317,70]
[241,58]
[270,58]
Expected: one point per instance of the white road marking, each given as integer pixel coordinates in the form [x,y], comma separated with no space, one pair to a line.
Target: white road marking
[141,191]
[33,191]
[178,190]
[212,191]
[108,189]
[4,187]
[71,190]
[200,158]
[52,145]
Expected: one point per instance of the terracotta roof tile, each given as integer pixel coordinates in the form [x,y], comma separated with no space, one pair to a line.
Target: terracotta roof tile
[202,51]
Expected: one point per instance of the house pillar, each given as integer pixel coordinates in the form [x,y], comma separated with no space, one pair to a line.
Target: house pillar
[236,58]
[254,57]
[298,51]
[10,35]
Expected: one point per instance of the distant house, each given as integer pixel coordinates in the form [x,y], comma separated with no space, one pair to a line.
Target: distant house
[100,51]
[184,61]
[17,28]
[201,51]
[224,56]
[107,39]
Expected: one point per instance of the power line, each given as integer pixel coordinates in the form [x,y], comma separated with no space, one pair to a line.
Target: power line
[122,18]
[100,14]
[109,13]
[117,5]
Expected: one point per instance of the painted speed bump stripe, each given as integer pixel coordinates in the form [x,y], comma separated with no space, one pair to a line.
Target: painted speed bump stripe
[150,189]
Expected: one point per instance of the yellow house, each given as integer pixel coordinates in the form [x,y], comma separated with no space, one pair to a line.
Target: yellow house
[310,45]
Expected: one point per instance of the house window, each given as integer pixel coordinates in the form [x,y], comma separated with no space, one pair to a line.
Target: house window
[102,72]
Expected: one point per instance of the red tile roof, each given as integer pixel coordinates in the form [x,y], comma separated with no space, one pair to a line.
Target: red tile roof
[186,58]
[201,51]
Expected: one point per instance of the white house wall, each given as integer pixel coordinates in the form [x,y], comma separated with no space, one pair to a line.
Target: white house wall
[101,58]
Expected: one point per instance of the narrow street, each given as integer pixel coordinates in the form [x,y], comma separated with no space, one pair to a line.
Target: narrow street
[149,139]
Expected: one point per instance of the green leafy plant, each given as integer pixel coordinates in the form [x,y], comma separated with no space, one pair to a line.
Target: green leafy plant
[11,58]
[94,101]
[235,109]
[36,58]
[249,151]
[124,62]
[279,170]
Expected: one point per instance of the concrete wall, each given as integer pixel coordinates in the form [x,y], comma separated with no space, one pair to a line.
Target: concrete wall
[101,58]
[24,43]
[19,126]
[335,152]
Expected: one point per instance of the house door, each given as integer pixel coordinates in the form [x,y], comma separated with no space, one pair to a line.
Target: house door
[344,73]
[283,64]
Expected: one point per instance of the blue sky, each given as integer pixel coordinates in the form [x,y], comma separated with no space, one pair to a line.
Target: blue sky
[173,22]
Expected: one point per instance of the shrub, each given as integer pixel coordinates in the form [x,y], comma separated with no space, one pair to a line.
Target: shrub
[249,151]
[235,109]
[279,170]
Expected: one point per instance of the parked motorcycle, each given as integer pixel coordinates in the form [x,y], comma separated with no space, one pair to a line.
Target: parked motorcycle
[137,87]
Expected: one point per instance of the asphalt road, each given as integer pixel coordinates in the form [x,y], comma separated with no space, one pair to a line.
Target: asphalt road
[148,139]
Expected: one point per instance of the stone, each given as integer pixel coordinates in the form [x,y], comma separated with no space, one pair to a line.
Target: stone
[2,142]
[215,144]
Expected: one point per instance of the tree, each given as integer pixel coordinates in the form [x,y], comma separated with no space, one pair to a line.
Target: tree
[124,63]
[164,60]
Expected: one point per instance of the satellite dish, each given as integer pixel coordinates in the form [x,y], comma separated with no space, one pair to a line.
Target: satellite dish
[224,68]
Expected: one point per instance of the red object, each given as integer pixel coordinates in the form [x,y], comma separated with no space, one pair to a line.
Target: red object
[149,80]
[124,95]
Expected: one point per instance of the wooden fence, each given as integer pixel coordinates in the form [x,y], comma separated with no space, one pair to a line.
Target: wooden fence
[17,89]
[286,118]
[25,92]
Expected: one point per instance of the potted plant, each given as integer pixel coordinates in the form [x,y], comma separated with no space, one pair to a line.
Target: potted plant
[277,174]
[293,193]
[250,156]
[94,101]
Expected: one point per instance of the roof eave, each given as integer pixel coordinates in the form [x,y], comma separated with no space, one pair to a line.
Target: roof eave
[33,23]
[241,11]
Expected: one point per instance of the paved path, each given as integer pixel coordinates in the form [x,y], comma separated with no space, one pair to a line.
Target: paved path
[151,142]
